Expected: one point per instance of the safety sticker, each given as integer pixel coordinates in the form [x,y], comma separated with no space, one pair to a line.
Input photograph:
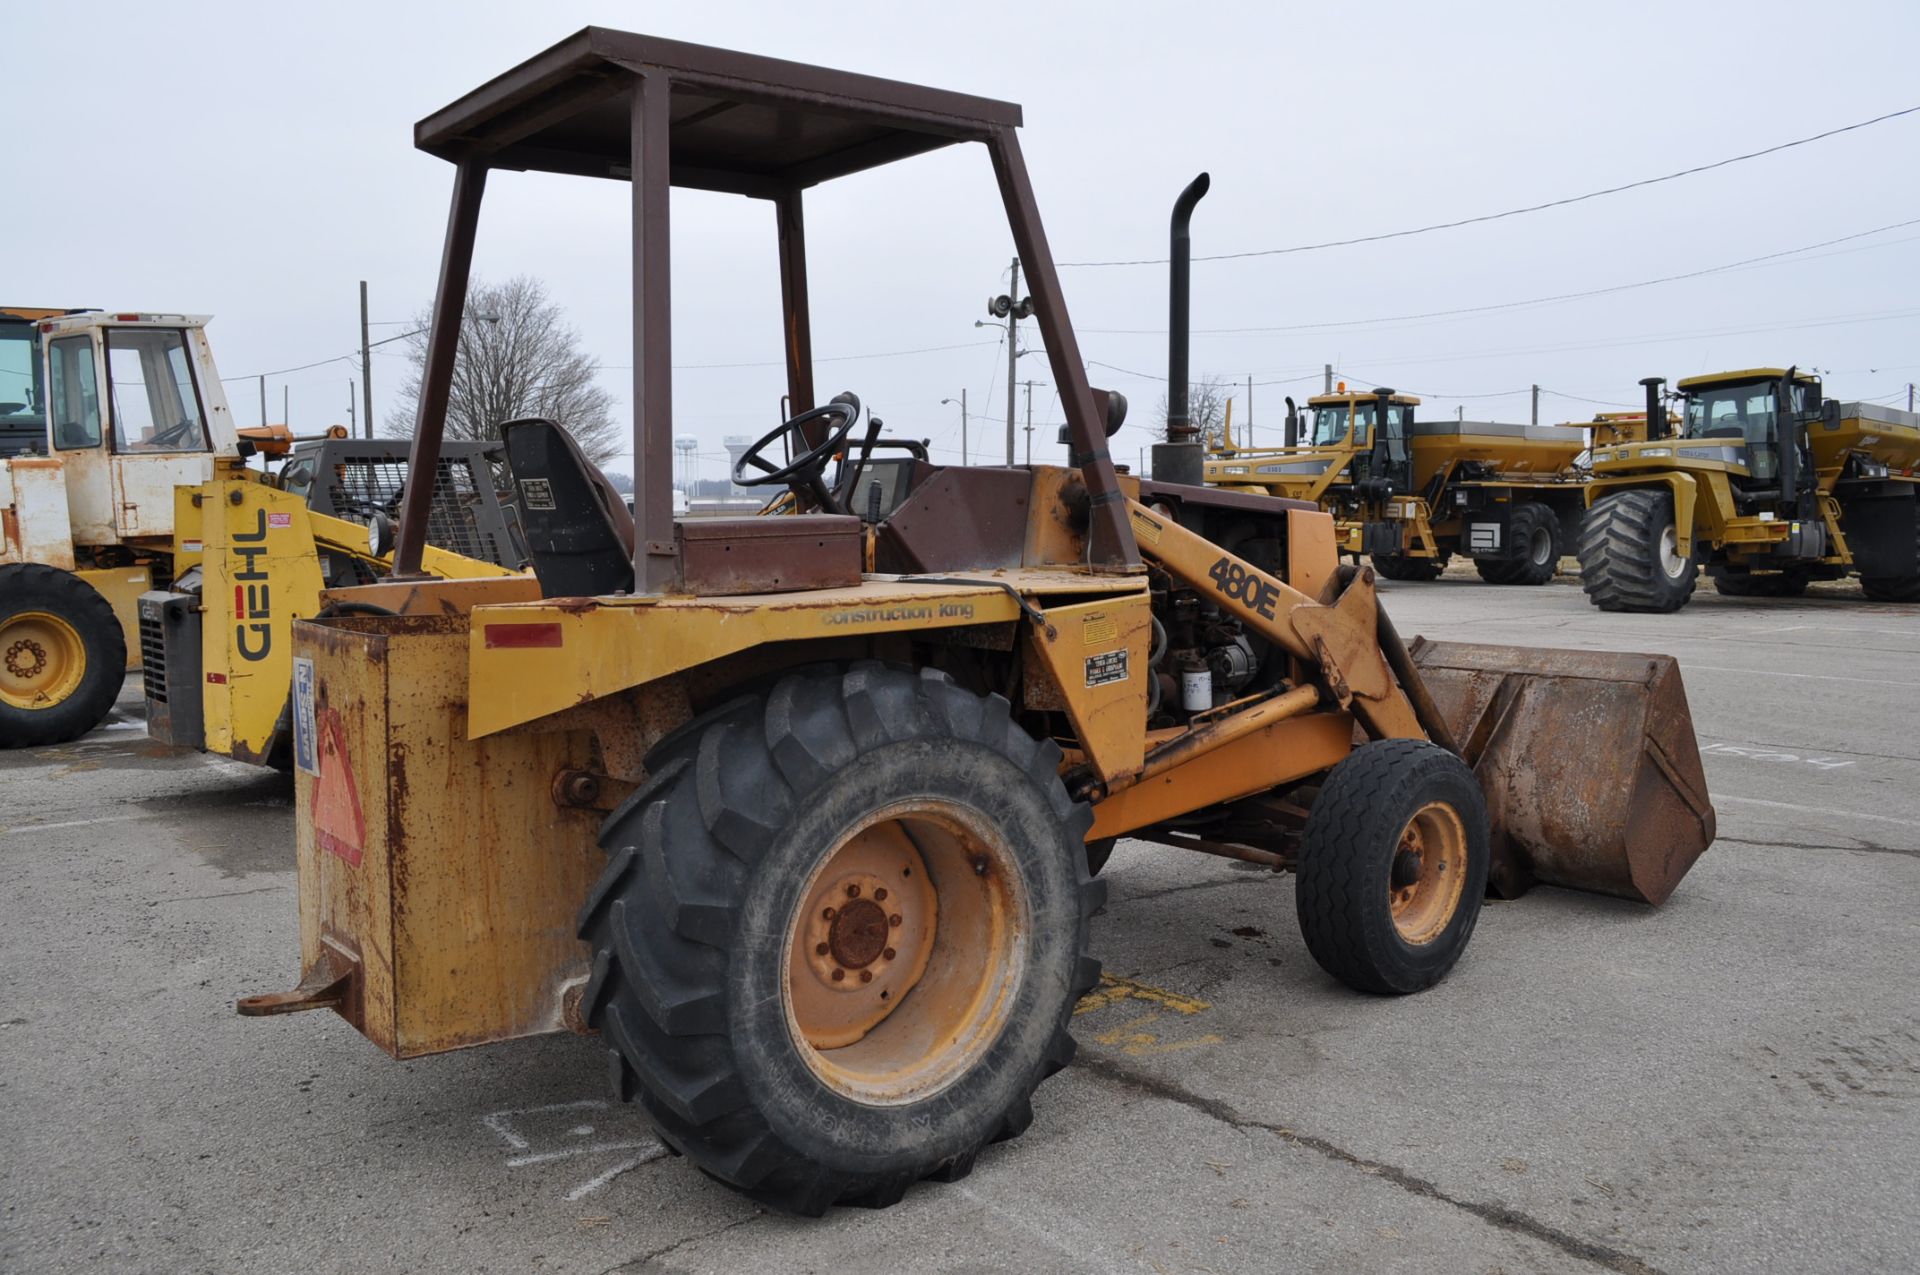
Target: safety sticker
[537,493]
[1108,666]
[279,520]
[339,827]
[1099,629]
[305,753]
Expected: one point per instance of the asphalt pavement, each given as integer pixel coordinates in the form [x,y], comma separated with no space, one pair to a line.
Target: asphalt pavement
[1729,1083]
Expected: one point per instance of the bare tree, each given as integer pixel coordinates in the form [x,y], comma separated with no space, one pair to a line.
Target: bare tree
[1206,408]
[517,357]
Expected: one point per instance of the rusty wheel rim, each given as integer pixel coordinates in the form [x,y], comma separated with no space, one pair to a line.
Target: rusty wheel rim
[42,660]
[1429,872]
[904,952]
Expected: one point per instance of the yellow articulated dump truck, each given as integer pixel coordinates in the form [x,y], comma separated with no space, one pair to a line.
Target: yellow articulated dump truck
[127,441]
[797,816]
[1767,483]
[1410,493]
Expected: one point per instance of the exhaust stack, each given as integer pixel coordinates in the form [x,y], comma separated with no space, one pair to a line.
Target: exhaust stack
[1656,406]
[1180,458]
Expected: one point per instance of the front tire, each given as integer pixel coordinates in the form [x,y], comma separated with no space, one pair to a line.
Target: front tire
[1895,588]
[63,656]
[1393,867]
[1628,555]
[1535,530]
[841,934]
[1400,566]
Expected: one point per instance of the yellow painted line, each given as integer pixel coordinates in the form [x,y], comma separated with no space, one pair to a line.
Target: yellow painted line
[1114,989]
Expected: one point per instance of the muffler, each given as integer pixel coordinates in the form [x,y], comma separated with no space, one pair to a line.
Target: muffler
[1588,761]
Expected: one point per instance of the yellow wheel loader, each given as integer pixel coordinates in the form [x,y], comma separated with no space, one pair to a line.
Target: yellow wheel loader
[1767,484]
[123,439]
[1410,494]
[796,815]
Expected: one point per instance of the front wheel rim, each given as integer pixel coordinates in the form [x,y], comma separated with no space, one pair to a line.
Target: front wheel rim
[1670,560]
[1428,873]
[905,952]
[43,660]
[1540,546]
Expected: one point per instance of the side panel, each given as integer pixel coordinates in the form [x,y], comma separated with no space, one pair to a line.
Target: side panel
[35,524]
[122,587]
[143,488]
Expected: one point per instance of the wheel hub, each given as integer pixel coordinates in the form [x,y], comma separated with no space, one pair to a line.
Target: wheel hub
[42,660]
[1428,874]
[26,659]
[857,935]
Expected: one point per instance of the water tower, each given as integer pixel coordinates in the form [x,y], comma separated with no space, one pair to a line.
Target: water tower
[686,445]
[735,444]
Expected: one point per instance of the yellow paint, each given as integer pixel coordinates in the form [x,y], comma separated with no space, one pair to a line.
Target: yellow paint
[122,587]
[1131,1037]
[1082,645]
[1113,989]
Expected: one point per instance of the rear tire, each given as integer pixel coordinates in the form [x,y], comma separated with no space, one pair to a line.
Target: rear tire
[777,816]
[1535,531]
[1738,583]
[63,656]
[1895,588]
[1393,866]
[1627,558]
[1400,566]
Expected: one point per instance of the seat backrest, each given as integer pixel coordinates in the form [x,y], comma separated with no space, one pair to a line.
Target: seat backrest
[578,531]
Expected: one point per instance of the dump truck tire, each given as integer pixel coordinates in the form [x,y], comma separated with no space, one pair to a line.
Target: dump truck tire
[1393,866]
[1627,558]
[1536,529]
[1400,566]
[63,656]
[768,1000]
[1895,588]
[1765,584]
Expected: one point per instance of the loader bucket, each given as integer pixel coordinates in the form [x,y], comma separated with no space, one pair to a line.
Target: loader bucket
[1588,761]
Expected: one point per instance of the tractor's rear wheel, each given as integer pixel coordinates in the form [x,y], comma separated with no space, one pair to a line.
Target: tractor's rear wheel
[1393,866]
[1629,556]
[63,656]
[1895,588]
[841,934]
[1401,566]
[1741,583]
[1533,533]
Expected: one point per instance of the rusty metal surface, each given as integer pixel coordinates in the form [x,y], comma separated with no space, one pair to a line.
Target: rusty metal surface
[1588,760]
[974,519]
[721,557]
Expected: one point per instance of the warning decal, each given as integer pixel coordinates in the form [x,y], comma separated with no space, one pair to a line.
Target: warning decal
[305,752]
[1108,666]
[536,493]
[338,825]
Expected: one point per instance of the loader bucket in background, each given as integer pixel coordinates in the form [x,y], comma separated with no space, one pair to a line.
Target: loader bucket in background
[1588,761]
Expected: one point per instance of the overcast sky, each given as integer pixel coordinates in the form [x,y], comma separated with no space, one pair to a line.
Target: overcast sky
[254,161]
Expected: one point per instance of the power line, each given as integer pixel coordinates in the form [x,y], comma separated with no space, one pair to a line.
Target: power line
[1515,212]
[1532,301]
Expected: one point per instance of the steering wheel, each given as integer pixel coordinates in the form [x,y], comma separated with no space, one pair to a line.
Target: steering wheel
[802,473]
[173,433]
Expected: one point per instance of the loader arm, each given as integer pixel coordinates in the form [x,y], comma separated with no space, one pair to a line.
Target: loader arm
[1340,640]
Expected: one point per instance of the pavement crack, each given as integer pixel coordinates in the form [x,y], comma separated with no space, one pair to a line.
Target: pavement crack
[1859,847]
[645,1260]
[1176,889]
[1497,1215]
[224,894]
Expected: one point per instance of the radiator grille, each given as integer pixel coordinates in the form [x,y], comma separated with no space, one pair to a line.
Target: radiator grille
[153,655]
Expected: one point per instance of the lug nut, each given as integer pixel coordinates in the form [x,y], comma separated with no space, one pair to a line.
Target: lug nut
[828,914]
[853,892]
[894,919]
[866,976]
[888,953]
[819,949]
[838,975]
[881,894]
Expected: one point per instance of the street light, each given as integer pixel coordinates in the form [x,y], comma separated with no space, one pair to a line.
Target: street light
[963,424]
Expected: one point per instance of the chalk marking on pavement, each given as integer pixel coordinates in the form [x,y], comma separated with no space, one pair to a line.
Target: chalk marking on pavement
[547,1157]
[625,1166]
[1687,666]
[498,1120]
[1820,810]
[1757,752]
[73,823]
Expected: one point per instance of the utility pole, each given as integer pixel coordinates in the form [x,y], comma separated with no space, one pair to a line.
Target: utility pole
[352,399]
[1536,405]
[263,398]
[1013,353]
[366,365]
[1249,409]
[963,422]
[286,417]
[1030,385]
[1326,379]
[1909,396]
[1460,415]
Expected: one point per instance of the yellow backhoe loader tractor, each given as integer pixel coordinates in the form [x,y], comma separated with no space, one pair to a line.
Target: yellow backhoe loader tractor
[1410,493]
[103,505]
[1767,483]
[846,764]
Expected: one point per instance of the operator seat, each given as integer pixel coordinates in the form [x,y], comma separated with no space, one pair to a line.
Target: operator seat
[578,530]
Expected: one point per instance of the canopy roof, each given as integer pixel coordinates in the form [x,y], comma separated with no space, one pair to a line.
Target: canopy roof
[739,122]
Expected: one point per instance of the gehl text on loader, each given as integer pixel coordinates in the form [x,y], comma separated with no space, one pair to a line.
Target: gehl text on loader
[800,813]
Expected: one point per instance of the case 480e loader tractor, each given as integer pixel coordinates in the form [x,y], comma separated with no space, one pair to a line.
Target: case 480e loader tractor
[1767,483]
[799,814]
[131,525]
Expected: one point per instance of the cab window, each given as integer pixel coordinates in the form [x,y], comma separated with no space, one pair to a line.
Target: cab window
[74,397]
[19,376]
[1329,426]
[155,406]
